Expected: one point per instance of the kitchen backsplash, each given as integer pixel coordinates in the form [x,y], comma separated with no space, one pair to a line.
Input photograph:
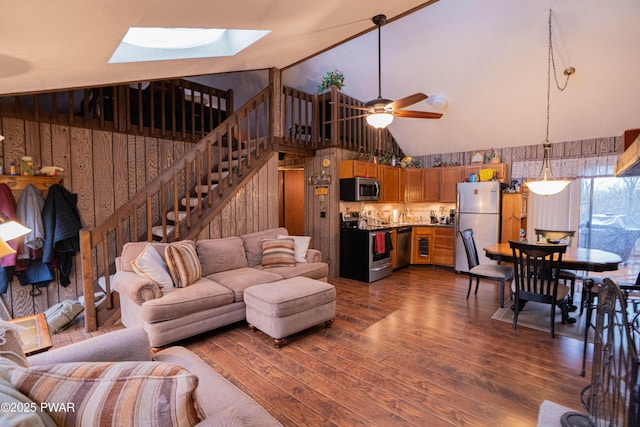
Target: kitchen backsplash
[413,212]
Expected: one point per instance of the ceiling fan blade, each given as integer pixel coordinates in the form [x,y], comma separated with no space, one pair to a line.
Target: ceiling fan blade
[417,114]
[346,118]
[406,101]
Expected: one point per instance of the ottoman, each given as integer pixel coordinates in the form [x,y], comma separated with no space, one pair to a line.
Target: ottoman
[285,307]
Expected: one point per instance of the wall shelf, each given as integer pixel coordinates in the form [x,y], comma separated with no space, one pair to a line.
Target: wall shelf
[20,182]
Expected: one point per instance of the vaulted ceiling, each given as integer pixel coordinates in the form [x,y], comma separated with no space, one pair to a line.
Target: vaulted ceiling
[489,58]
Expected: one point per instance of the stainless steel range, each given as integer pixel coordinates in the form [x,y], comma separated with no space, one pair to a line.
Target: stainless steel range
[365,253]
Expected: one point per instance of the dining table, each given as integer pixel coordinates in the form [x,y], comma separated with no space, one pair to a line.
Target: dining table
[582,259]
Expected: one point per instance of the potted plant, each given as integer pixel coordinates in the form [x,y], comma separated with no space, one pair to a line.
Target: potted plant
[332,78]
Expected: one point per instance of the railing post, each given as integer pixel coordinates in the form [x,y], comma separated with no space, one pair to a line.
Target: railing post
[90,319]
[275,113]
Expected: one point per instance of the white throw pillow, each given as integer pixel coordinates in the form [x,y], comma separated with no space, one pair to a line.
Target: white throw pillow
[302,246]
[150,265]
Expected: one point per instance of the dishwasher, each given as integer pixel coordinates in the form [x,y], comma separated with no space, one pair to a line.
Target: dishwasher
[403,247]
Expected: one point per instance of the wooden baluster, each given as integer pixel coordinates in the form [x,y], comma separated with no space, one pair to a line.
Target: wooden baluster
[149,218]
[90,323]
[209,173]
[54,107]
[198,183]
[152,110]
[176,204]
[105,259]
[219,138]
[163,210]
[187,188]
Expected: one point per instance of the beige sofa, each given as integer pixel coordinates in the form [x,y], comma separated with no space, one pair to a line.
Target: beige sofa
[215,400]
[229,266]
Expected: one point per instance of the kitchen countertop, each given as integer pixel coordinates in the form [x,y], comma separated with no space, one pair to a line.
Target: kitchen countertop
[410,224]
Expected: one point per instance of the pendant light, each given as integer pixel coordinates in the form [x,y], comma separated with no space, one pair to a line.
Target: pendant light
[546,184]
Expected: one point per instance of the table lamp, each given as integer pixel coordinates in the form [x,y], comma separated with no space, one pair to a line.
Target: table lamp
[9,230]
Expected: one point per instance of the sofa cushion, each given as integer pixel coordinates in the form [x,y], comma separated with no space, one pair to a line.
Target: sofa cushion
[10,344]
[150,265]
[131,250]
[253,243]
[302,246]
[201,295]
[240,279]
[221,254]
[31,415]
[312,270]
[183,263]
[112,393]
[223,403]
[278,253]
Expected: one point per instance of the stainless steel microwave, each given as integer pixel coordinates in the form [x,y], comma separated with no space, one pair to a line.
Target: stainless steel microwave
[359,189]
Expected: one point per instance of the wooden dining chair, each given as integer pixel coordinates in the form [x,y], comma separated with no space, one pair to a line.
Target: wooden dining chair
[499,273]
[536,269]
[564,237]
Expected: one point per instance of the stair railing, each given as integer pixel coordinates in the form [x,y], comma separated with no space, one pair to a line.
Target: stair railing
[217,163]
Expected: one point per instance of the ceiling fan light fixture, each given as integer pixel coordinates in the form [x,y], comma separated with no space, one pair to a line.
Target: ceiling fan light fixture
[380,120]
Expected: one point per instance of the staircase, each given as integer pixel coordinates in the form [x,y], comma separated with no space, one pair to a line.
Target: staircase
[180,202]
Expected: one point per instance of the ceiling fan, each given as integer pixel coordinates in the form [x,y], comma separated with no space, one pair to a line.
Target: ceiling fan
[381,111]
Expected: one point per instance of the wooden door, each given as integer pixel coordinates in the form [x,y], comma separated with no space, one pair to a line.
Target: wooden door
[293,201]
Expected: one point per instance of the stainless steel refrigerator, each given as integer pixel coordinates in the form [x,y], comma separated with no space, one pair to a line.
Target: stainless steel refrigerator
[478,208]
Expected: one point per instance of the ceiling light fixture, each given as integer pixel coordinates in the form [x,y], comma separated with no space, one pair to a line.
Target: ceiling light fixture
[380,120]
[546,184]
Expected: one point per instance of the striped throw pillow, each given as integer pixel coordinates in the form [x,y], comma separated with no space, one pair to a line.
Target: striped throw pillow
[183,263]
[111,393]
[278,253]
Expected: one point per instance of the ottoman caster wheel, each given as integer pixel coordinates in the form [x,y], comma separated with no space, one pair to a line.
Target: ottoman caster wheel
[328,323]
[279,342]
[252,328]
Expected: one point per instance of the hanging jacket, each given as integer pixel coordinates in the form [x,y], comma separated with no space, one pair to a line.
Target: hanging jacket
[62,227]
[29,213]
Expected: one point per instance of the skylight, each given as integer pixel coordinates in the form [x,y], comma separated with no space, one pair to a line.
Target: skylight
[142,44]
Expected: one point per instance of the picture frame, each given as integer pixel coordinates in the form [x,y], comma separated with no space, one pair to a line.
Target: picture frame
[477,157]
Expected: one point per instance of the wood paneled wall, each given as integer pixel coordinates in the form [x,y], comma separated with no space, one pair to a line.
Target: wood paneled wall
[567,149]
[104,169]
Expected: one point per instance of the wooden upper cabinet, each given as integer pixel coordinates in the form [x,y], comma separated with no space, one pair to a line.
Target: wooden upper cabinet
[354,168]
[412,185]
[450,176]
[431,184]
[390,180]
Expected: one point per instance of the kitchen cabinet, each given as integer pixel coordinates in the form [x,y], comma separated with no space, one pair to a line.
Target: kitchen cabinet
[502,171]
[450,176]
[412,185]
[444,240]
[358,168]
[421,245]
[514,215]
[392,186]
[431,184]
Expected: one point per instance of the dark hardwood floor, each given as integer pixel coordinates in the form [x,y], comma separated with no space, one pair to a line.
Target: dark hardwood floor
[405,350]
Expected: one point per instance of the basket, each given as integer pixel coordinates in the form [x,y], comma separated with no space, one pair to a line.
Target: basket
[487,174]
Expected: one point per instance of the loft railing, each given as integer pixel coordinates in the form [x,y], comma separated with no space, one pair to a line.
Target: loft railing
[202,179]
[308,123]
[175,109]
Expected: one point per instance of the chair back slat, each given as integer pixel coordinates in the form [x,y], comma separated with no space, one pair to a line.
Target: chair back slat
[536,269]
[470,247]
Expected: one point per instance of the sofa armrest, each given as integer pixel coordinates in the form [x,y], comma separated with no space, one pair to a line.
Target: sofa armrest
[314,255]
[121,345]
[136,288]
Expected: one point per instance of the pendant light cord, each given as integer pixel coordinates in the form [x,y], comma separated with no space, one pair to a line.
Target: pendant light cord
[551,64]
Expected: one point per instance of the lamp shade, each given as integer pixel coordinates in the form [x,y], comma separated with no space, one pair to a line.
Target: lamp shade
[546,187]
[380,120]
[10,230]
[5,249]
